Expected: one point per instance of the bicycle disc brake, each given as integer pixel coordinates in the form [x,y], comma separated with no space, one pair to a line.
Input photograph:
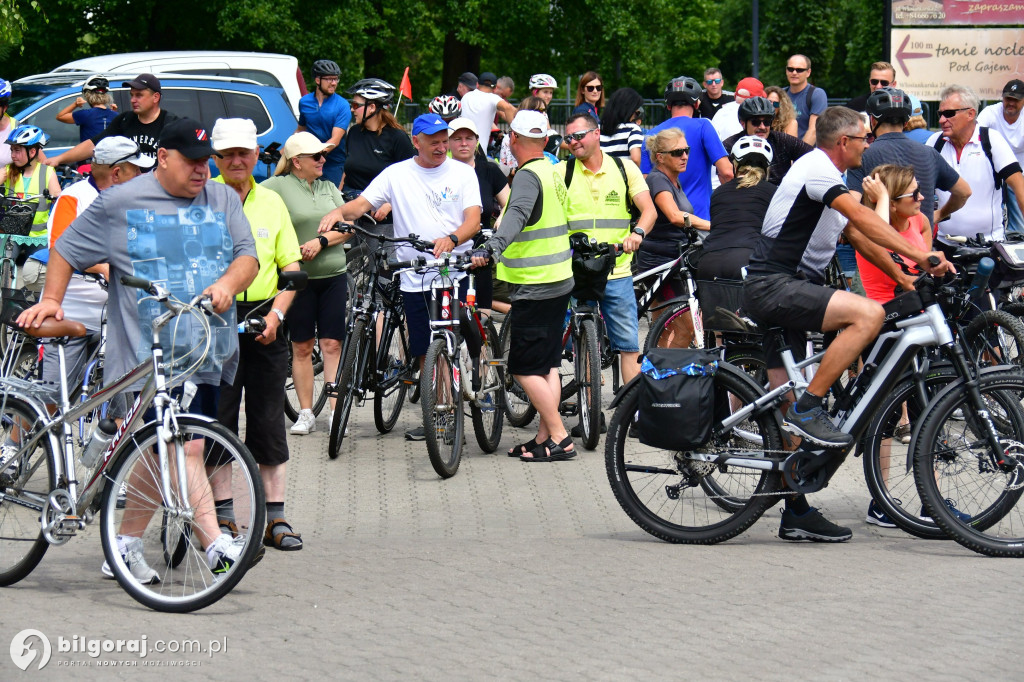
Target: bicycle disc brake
[805,472]
[1015,477]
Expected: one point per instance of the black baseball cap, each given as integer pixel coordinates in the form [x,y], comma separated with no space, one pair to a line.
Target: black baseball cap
[1014,89]
[488,78]
[468,79]
[144,81]
[187,137]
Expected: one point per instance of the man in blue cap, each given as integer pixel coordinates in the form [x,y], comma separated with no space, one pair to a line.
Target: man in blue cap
[432,196]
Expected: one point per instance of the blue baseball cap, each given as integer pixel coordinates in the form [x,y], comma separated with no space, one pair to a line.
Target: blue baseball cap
[429,124]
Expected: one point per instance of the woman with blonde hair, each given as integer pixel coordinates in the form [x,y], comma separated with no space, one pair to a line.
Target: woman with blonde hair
[785,112]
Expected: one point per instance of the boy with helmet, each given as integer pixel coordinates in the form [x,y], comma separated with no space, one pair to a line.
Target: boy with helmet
[756,115]
[92,121]
[543,85]
[7,123]
[327,115]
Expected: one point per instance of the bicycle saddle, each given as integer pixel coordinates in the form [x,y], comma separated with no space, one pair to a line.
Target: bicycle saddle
[52,328]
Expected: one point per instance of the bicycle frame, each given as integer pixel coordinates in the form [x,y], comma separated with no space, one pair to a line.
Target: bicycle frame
[661,273]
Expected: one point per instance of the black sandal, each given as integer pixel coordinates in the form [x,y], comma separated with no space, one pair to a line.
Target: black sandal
[523,448]
[556,452]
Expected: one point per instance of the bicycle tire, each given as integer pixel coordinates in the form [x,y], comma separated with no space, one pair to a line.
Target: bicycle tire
[191,585]
[441,400]
[644,479]
[348,386]
[391,383]
[26,364]
[949,464]
[518,409]
[291,402]
[995,337]
[588,377]
[22,544]
[486,412]
[661,331]
[887,470]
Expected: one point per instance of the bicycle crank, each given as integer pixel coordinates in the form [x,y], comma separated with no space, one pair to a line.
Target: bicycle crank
[807,472]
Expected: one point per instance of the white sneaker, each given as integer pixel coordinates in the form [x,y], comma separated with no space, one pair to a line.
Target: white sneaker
[305,424]
[131,552]
[223,553]
[8,465]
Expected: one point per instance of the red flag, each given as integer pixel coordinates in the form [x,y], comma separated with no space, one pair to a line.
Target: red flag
[406,87]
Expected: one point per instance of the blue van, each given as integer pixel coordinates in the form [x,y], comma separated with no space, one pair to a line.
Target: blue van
[36,100]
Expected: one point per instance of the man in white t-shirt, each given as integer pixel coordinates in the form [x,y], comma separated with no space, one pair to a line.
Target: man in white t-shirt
[433,197]
[960,144]
[481,105]
[1005,117]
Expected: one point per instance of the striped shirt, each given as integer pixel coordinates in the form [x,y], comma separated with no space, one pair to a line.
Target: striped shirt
[627,136]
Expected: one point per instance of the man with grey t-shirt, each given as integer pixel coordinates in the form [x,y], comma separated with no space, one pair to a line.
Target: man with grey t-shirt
[175,227]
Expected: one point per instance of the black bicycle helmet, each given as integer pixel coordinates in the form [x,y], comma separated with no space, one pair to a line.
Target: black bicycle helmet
[888,102]
[755,106]
[682,90]
[374,90]
[325,67]
[96,84]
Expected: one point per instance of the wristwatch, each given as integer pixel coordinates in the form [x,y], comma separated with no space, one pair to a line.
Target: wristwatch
[323,241]
[455,240]
[280,315]
[639,231]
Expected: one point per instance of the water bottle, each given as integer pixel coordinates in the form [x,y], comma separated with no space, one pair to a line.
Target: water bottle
[98,442]
[980,283]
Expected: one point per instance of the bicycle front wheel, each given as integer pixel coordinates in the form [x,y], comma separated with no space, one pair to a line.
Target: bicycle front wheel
[441,400]
[25,485]
[588,378]
[291,402]
[673,329]
[352,369]
[518,408]
[142,541]
[392,377]
[485,410]
[678,498]
[965,489]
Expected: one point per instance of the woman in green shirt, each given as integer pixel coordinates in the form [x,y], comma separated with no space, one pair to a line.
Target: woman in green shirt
[319,310]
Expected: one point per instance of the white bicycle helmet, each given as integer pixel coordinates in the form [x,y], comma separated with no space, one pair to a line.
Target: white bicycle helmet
[5,89]
[96,84]
[753,149]
[445,106]
[374,90]
[543,80]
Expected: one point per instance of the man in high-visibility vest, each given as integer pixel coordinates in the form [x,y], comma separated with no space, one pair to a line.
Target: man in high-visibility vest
[533,243]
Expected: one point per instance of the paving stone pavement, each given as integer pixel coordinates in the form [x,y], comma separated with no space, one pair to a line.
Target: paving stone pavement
[532,571]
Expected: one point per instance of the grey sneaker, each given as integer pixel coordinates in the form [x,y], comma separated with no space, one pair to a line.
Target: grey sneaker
[415,434]
[816,427]
[812,527]
[131,553]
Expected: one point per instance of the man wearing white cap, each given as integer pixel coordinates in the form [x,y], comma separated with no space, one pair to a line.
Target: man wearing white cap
[532,249]
[262,358]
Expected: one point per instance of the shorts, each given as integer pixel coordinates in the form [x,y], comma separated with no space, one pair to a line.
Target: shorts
[33,275]
[620,319]
[417,317]
[204,402]
[501,291]
[319,310]
[261,376]
[723,264]
[782,300]
[76,353]
[535,342]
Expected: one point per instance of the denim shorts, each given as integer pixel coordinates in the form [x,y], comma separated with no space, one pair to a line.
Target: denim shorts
[619,311]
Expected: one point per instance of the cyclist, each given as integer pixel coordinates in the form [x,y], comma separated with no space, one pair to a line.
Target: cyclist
[7,123]
[27,175]
[784,286]
[92,121]
[756,115]
[157,216]
[327,115]
[542,85]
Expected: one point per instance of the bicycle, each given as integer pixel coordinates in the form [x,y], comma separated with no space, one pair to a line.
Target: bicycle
[714,492]
[52,485]
[457,330]
[383,367]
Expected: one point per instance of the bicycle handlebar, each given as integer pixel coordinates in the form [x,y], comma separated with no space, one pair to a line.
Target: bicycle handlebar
[412,240]
[459,262]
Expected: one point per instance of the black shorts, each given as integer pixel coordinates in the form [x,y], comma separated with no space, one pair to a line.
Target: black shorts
[723,264]
[319,310]
[261,376]
[417,317]
[535,346]
[781,300]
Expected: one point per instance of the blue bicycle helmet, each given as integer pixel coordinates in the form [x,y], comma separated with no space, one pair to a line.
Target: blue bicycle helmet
[5,89]
[28,136]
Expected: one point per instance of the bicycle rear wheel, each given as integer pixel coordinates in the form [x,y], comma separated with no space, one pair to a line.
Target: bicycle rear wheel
[964,489]
[679,499]
[389,394]
[291,402]
[25,484]
[160,524]
[353,368]
[486,412]
[588,378]
[441,400]
[518,408]
[673,329]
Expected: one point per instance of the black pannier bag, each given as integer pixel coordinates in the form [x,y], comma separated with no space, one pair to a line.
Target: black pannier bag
[590,268]
[677,398]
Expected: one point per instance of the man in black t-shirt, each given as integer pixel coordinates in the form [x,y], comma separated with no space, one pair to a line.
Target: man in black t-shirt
[882,75]
[756,114]
[714,94]
[143,124]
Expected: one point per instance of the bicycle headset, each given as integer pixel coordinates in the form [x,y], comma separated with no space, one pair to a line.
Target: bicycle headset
[753,150]
[682,90]
[755,106]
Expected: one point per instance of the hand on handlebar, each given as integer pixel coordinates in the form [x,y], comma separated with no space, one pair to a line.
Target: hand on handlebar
[631,243]
[442,245]
[220,296]
[382,212]
[937,265]
[328,221]
[480,257]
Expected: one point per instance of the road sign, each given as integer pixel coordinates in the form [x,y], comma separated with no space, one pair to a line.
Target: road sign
[928,60]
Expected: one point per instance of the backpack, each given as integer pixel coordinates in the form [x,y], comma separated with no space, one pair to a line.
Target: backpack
[634,212]
[986,146]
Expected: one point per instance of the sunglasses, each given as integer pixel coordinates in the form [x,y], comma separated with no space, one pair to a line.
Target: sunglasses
[879,81]
[950,113]
[713,81]
[916,195]
[761,121]
[677,153]
[775,104]
[795,69]
[356,107]
[578,137]
[319,156]
[594,88]
[639,113]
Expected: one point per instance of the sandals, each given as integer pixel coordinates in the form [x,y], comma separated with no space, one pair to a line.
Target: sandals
[556,452]
[229,527]
[902,433]
[277,540]
[525,447]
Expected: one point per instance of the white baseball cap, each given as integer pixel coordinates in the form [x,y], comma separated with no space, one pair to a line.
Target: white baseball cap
[462,123]
[530,123]
[117,149]
[229,133]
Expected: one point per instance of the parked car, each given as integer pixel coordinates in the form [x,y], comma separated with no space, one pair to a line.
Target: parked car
[275,70]
[37,99]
